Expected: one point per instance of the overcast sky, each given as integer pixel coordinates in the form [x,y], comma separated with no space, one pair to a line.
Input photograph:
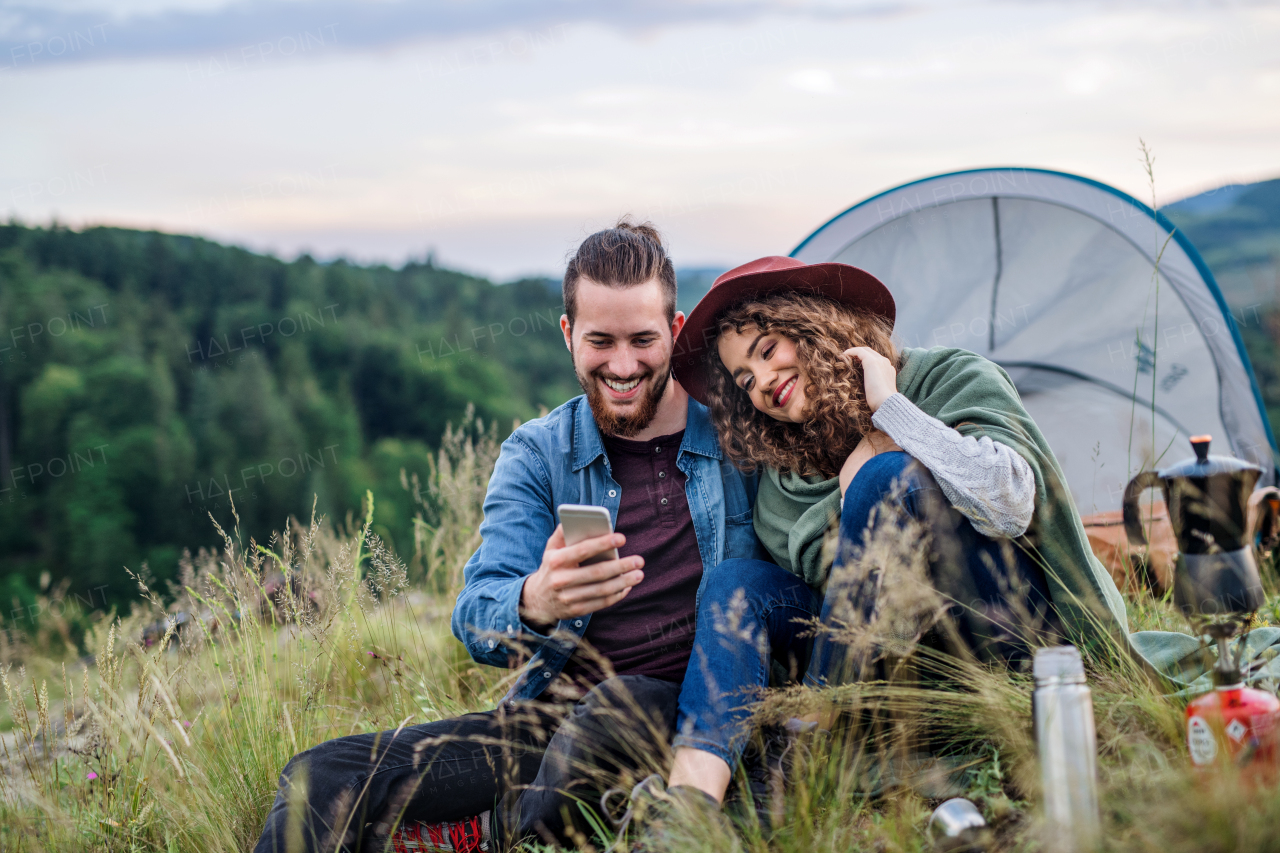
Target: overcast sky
[499,132]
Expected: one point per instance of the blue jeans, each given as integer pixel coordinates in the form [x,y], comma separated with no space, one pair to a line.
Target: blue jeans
[753,613]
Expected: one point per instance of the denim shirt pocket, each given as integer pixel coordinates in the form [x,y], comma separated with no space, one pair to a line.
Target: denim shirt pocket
[740,536]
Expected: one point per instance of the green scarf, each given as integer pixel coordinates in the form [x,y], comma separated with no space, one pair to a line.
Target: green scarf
[977,398]
[792,514]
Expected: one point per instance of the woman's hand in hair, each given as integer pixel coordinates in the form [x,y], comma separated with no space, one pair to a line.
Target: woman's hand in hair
[879,377]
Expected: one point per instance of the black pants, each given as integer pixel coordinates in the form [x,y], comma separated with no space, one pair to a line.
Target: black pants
[532,763]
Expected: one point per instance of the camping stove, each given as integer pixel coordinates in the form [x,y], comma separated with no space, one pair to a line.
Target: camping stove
[1233,724]
[1217,587]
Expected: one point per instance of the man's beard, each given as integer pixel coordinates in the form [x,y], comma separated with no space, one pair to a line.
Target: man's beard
[622,426]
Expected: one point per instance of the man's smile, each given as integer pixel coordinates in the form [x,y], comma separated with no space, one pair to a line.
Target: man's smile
[622,389]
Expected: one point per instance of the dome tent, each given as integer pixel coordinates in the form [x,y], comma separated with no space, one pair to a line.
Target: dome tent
[1050,275]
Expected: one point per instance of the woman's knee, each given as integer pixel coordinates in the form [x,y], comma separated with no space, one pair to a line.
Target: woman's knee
[897,478]
[882,472]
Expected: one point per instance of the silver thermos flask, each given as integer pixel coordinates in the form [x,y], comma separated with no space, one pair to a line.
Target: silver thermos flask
[1068,746]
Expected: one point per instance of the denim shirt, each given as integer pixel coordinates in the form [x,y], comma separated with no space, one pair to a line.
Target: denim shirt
[560,459]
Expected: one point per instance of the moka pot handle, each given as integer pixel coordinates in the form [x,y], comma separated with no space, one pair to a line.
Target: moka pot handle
[1132,517]
[1264,518]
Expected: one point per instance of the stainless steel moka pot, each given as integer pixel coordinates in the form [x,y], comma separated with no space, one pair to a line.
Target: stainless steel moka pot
[1207,498]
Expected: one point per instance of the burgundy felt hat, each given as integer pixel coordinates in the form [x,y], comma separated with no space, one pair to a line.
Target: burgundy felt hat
[841,282]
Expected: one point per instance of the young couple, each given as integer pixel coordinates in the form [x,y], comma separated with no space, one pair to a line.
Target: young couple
[724,446]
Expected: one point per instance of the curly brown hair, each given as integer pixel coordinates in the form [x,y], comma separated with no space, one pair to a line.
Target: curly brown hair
[836,412]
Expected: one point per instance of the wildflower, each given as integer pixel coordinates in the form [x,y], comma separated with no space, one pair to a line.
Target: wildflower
[91,776]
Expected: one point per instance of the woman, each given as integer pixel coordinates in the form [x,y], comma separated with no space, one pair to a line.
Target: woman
[797,365]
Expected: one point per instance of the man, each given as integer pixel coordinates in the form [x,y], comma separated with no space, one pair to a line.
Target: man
[596,704]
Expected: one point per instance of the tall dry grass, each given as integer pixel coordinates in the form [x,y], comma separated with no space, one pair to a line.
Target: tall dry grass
[172,740]
[171,733]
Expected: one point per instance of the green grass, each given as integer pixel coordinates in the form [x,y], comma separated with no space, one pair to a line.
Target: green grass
[184,740]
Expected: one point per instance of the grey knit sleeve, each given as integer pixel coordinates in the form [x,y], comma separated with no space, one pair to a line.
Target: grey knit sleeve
[988,482]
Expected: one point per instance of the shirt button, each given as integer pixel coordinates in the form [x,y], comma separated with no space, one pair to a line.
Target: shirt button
[664,501]
[613,493]
[546,675]
[662,475]
[577,623]
[493,643]
[657,450]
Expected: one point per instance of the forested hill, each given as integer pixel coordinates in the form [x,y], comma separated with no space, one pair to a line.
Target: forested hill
[146,377]
[1237,230]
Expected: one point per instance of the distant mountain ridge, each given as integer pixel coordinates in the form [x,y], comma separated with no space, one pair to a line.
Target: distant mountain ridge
[1237,229]
[1209,202]
[692,284]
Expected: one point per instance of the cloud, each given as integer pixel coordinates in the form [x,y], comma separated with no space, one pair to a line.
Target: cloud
[85,32]
[816,80]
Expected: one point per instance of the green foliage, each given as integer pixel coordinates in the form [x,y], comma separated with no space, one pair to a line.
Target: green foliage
[1260,339]
[147,381]
[1242,229]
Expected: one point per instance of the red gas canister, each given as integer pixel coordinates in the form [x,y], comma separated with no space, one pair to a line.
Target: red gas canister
[1236,724]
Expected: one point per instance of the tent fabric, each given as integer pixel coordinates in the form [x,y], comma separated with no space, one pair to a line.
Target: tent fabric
[1052,276]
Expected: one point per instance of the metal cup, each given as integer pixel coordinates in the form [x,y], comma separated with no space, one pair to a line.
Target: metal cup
[957,826]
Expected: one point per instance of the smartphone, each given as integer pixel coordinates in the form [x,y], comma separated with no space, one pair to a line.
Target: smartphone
[586,522]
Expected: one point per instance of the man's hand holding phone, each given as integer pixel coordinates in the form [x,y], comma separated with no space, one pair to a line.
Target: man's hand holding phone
[562,588]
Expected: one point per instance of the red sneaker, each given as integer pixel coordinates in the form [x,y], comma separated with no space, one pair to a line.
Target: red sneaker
[469,835]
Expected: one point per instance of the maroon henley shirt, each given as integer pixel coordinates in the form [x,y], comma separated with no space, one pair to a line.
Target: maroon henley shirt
[650,632]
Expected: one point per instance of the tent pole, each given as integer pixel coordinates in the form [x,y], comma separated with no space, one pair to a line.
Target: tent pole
[995,285]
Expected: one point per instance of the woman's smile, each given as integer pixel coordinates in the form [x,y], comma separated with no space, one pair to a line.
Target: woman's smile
[783,394]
